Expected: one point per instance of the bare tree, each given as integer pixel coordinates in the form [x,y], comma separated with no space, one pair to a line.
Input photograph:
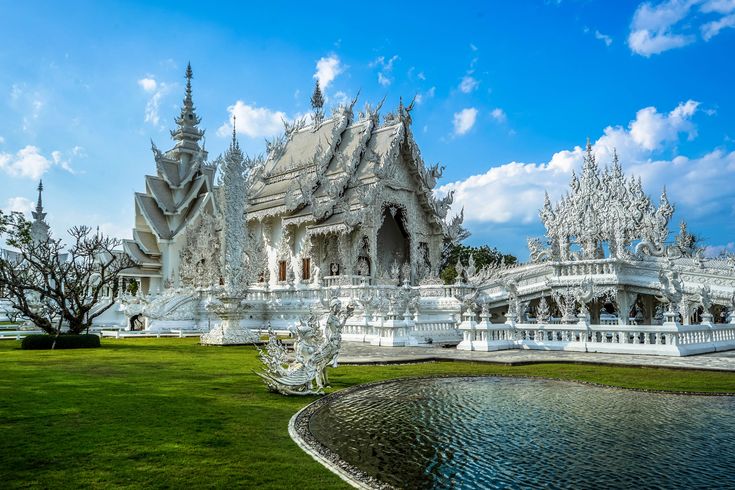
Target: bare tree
[52,284]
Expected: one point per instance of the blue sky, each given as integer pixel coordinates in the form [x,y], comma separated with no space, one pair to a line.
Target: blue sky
[508,92]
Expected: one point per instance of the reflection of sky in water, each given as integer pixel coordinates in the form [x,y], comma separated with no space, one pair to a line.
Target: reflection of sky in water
[519,433]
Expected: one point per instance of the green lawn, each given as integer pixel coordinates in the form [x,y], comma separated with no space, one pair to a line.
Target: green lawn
[170,413]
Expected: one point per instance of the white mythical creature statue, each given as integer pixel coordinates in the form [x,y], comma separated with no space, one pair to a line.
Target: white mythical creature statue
[314,351]
[585,293]
[671,288]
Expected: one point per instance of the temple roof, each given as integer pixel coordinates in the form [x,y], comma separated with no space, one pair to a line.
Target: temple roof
[316,171]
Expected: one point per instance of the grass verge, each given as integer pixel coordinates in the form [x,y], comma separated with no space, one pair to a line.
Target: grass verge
[170,413]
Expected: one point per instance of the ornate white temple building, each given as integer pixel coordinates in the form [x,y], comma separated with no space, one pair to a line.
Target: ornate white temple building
[343,206]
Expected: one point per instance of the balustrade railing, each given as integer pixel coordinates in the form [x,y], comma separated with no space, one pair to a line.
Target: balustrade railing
[666,339]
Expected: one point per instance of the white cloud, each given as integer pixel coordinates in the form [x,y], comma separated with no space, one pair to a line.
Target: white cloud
[464,120]
[651,28]
[604,38]
[421,97]
[718,6]
[499,115]
[157,91]
[421,76]
[2,140]
[29,103]
[670,24]
[468,84]
[27,162]
[711,29]
[148,84]
[341,98]
[327,69]
[252,121]
[30,163]
[715,250]
[650,129]
[513,192]
[386,67]
[19,204]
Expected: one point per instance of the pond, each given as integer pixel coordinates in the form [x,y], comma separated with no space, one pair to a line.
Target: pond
[493,432]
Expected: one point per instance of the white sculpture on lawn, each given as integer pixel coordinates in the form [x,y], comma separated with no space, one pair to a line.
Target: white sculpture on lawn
[314,351]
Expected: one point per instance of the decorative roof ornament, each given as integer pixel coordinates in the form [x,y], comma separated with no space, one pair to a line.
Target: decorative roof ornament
[317,104]
[187,134]
[603,207]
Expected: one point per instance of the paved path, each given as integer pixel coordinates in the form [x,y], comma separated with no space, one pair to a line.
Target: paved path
[357,353]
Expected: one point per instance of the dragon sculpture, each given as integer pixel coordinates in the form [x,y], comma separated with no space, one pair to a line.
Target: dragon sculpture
[314,350]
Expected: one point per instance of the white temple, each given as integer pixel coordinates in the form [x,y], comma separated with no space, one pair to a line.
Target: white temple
[343,207]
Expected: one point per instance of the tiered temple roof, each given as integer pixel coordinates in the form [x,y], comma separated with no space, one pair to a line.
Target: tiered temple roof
[180,190]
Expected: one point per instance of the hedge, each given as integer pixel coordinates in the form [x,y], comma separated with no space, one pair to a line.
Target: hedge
[44,342]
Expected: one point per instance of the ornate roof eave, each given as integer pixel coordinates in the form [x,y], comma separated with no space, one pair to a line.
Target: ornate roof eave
[146,242]
[200,183]
[133,251]
[195,210]
[153,216]
[156,187]
[266,213]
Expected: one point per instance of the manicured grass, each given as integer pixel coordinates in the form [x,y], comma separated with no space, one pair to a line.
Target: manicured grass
[170,413]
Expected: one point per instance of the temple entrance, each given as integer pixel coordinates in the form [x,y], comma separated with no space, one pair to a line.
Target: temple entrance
[393,242]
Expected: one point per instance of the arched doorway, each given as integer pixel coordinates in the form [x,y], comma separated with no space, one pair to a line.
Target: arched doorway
[393,242]
[137,322]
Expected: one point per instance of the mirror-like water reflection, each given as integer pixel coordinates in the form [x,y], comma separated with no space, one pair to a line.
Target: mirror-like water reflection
[521,433]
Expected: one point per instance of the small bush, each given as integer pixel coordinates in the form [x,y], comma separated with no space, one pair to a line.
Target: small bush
[44,342]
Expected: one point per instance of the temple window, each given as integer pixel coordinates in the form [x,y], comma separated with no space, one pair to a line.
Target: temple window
[306,269]
[282,270]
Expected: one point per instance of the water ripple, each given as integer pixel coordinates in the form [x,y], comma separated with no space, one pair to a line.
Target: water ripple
[500,433]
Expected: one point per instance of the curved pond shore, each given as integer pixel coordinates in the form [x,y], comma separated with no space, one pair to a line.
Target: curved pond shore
[510,432]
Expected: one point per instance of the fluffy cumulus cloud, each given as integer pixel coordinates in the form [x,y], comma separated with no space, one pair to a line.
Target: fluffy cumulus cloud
[148,84]
[464,120]
[659,27]
[253,121]
[19,204]
[513,192]
[327,69]
[27,162]
[30,163]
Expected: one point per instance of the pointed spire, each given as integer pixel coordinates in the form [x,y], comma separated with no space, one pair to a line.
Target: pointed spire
[38,214]
[39,227]
[234,145]
[187,134]
[189,76]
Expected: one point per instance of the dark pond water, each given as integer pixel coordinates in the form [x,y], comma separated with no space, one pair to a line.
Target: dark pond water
[517,433]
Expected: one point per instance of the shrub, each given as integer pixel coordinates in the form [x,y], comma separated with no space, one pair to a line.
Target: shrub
[44,342]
